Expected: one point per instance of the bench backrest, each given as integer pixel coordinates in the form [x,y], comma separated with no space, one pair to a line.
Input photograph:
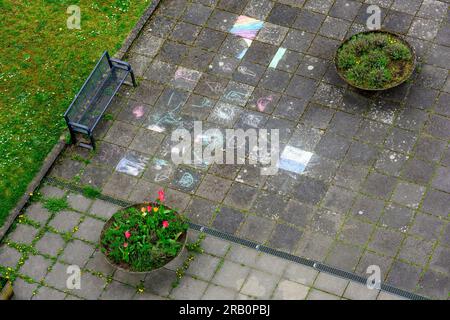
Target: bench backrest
[89,90]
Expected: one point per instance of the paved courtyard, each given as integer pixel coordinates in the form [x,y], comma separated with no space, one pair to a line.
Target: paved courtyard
[374,188]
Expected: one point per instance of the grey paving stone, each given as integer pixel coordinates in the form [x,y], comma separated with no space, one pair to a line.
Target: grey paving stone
[367,208]
[416,250]
[441,180]
[259,284]
[271,264]
[23,290]
[231,275]
[214,292]
[37,213]
[203,267]
[243,255]
[408,194]
[215,246]
[103,209]
[23,234]
[132,279]
[118,291]
[78,202]
[284,237]
[160,282]
[65,221]
[9,257]
[50,244]
[48,191]
[441,260]
[404,276]
[228,220]
[45,293]
[289,290]
[300,274]
[356,291]
[189,288]
[314,246]
[308,20]
[344,256]
[35,267]
[386,242]
[77,252]
[379,185]
[256,228]
[320,295]
[119,185]
[98,263]
[370,259]
[434,284]
[330,284]
[90,229]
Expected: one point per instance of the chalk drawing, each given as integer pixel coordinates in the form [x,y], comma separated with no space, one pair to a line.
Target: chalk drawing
[205,103]
[263,102]
[246,71]
[186,181]
[278,56]
[247,44]
[132,164]
[138,112]
[215,87]
[246,27]
[294,159]
[185,74]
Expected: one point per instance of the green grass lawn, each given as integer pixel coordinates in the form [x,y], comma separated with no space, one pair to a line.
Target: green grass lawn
[42,66]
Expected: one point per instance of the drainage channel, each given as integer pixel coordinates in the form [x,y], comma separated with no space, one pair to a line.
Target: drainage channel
[256,246]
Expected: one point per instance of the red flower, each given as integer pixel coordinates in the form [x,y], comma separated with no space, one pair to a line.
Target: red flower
[127,234]
[165,224]
[161,195]
[149,208]
[125,244]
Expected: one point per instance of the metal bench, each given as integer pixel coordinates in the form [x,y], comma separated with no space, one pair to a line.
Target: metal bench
[94,97]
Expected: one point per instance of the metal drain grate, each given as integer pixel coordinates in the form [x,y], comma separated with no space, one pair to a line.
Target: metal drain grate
[254,245]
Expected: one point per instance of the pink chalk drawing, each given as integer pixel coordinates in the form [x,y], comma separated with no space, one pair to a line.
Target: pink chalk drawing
[263,102]
[138,112]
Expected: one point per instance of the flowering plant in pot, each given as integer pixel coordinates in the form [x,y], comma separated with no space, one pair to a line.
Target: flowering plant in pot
[375,60]
[6,289]
[144,237]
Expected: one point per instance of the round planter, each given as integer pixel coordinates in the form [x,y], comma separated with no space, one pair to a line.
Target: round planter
[399,37]
[7,291]
[183,240]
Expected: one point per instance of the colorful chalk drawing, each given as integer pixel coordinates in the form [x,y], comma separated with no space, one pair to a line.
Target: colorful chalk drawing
[138,112]
[246,27]
[277,58]
[263,102]
[163,170]
[247,43]
[132,164]
[294,159]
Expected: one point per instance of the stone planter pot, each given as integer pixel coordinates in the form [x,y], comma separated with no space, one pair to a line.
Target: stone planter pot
[399,37]
[7,291]
[182,239]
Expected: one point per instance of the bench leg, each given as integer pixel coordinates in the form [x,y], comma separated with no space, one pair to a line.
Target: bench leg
[73,137]
[133,79]
[91,137]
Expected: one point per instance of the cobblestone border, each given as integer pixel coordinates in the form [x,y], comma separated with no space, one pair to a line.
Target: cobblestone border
[319,266]
[61,144]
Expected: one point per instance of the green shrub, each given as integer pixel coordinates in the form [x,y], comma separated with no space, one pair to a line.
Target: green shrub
[374,60]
